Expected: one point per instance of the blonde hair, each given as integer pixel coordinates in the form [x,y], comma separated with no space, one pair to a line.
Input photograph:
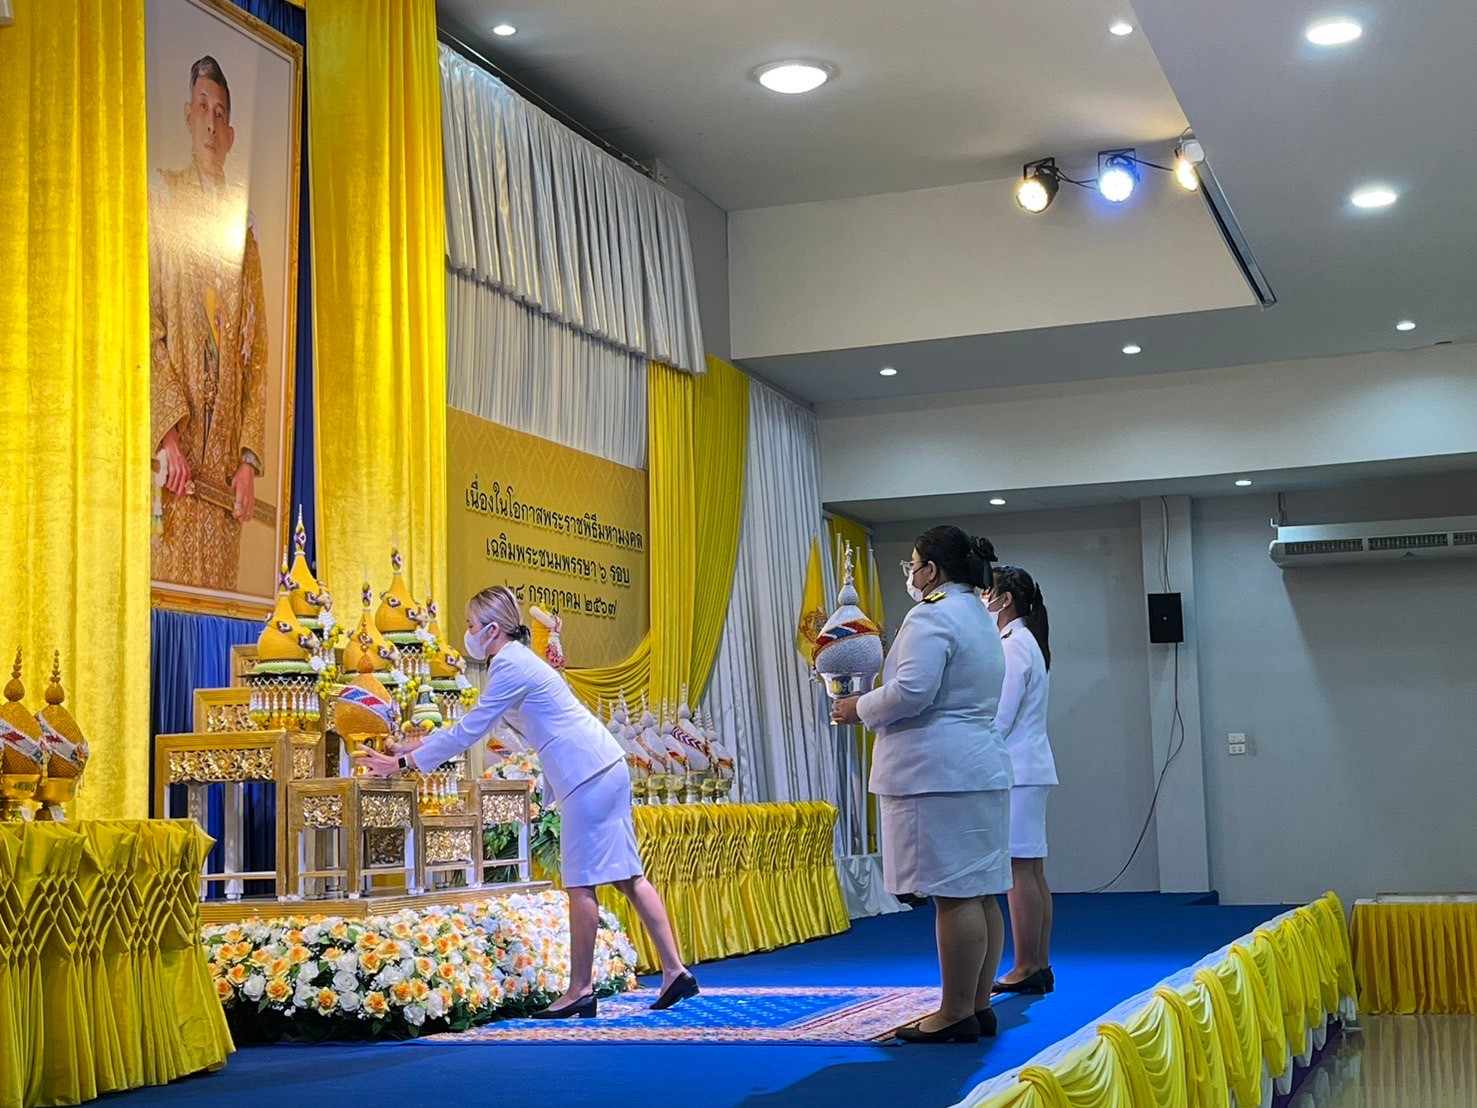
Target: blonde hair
[498,607]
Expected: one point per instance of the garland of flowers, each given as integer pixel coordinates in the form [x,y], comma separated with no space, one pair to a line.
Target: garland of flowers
[502,841]
[413,973]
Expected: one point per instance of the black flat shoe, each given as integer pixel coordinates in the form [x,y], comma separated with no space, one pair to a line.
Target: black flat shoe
[1050,980]
[989,1023]
[683,988]
[586,1009]
[966,1030]
[1035,985]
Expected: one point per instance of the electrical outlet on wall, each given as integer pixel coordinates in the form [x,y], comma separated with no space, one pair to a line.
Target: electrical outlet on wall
[1236,743]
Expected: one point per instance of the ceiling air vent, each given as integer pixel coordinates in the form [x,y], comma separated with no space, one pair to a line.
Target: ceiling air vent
[1409,542]
[1327,546]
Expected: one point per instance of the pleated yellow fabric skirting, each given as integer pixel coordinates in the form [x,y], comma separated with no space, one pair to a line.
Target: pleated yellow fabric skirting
[1416,955]
[103,981]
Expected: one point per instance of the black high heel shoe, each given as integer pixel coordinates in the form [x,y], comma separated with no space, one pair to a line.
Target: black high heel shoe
[966,1030]
[586,1009]
[1034,985]
[683,988]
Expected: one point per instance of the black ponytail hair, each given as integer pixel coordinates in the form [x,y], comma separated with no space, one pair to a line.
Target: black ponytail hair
[960,557]
[1029,605]
[521,634]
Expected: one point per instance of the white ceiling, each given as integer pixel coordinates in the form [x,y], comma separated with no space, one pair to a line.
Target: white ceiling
[964,90]
[929,94]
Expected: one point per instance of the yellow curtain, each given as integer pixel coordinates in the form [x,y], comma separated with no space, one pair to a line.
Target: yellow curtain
[74,377]
[697,430]
[720,454]
[379,243]
[1416,956]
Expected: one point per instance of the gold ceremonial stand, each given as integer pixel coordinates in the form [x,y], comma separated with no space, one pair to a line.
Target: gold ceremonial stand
[345,846]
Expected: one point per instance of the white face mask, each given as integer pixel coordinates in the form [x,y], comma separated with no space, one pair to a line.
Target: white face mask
[475,648]
[913,590]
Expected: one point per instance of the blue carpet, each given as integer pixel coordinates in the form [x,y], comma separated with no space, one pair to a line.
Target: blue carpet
[1106,948]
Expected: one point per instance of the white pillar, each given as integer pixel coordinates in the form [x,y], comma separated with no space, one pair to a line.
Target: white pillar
[1184,852]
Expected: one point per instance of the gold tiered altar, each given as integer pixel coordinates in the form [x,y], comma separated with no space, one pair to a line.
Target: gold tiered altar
[345,844]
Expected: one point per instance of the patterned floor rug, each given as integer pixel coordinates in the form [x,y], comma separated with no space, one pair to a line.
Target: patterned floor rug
[799,1015]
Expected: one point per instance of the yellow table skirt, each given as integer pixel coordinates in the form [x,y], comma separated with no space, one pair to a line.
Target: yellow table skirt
[1416,955]
[103,982]
[737,878]
[1213,1038]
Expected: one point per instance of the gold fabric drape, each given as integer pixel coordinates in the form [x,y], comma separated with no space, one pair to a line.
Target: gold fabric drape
[75,492]
[379,244]
[697,434]
[1416,957]
[103,982]
[1197,1045]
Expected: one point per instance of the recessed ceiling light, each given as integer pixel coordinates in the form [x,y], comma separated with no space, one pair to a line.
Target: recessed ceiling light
[1405,325]
[793,77]
[1374,196]
[505,29]
[887,371]
[1333,32]
[1243,484]
[1121,28]
[997,501]
[1133,348]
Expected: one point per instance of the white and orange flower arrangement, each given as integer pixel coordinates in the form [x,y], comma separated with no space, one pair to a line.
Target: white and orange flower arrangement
[404,975]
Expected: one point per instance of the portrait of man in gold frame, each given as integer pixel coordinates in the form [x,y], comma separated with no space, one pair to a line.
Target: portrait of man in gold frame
[224,123]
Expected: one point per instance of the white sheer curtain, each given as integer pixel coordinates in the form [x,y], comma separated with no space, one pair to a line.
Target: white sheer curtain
[760,690]
[535,211]
[509,363]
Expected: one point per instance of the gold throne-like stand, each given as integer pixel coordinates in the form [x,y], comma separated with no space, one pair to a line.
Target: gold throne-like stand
[344,845]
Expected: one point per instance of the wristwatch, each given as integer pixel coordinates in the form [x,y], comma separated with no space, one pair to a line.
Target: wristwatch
[404,765]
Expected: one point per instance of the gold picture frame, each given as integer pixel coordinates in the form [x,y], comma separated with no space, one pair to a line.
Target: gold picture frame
[264,100]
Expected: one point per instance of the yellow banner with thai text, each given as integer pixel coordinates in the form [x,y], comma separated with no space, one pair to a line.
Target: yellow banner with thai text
[567,531]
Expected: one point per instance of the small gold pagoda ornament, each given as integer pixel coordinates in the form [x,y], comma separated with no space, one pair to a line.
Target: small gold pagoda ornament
[22,755]
[66,749]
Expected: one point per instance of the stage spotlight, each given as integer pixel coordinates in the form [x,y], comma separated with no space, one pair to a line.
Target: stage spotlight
[1117,176]
[1185,173]
[1039,185]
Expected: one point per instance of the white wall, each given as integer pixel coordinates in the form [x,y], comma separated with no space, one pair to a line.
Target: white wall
[707,227]
[1357,687]
[1320,412]
[1089,564]
[962,260]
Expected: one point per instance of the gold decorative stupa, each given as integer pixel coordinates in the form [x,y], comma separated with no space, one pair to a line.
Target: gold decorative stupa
[366,641]
[310,599]
[66,747]
[289,657]
[22,755]
[397,617]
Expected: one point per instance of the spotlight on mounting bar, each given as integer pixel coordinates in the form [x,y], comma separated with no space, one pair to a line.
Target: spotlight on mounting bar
[1038,185]
[1117,175]
[1187,155]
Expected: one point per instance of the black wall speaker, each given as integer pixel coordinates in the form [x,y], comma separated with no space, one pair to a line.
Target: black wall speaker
[1166,621]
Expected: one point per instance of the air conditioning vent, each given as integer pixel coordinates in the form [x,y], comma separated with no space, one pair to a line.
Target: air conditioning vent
[1327,546]
[1345,544]
[1408,542]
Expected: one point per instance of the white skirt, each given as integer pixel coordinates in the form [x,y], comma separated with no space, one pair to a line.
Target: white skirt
[597,839]
[1028,821]
[946,844]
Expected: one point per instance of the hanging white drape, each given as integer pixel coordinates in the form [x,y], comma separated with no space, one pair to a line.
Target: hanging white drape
[509,363]
[761,690]
[536,211]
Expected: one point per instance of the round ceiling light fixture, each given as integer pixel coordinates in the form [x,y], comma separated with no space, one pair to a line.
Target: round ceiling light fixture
[1243,484]
[887,371]
[1333,32]
[503,30]
[1121,28]
[1405,325]
[1133,348]
[997,501]
[1374,196]
[793,77]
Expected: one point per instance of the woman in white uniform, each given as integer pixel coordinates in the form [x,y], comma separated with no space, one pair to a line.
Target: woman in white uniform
[585,771]
[942,776]
[1020,613]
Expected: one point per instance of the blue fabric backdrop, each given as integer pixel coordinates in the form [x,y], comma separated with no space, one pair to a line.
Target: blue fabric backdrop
[192,652]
